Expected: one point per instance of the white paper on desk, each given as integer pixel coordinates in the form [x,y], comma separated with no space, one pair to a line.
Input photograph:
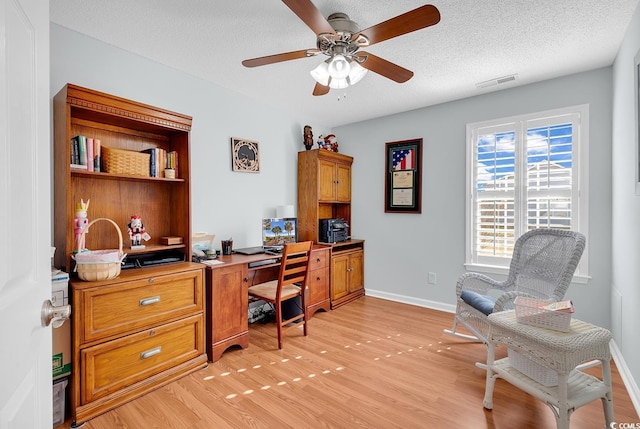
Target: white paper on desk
[212,262]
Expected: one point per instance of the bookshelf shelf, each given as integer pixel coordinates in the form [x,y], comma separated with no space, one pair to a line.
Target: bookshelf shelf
[112,176]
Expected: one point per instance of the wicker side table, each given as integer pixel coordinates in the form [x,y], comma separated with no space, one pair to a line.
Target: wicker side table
[556,351]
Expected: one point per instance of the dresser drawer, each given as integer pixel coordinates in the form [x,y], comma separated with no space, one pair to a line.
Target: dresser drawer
[121,308]
[113,365]
[319,259]
[318,284]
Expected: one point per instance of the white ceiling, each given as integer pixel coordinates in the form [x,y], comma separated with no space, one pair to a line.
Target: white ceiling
[475,41]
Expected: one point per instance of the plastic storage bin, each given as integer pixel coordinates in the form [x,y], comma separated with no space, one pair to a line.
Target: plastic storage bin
[59,401]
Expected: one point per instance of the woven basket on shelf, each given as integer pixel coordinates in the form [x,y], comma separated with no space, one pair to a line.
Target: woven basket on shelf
[98,265]
[121,161]
[530,311]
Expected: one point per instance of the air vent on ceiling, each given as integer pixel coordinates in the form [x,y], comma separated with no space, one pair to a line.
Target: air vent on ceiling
[496,81]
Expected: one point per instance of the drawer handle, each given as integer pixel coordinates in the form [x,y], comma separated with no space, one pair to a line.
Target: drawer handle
[154,351]
[149,301]
[318,260]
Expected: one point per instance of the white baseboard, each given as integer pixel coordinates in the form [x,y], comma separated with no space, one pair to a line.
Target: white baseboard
[623,369]
[625,374]
[412,300]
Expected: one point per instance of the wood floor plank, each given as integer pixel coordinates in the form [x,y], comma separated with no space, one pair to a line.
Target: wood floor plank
[370,364]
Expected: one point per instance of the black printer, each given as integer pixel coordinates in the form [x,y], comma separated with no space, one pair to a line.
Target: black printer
[333,230]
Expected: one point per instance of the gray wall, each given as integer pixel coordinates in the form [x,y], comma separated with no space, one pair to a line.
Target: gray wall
[625,279]
[402,248]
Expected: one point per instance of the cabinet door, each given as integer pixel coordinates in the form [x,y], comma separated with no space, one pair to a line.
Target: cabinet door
[339,277]
[230,301]
[343,183]
[327,181]
[356,271]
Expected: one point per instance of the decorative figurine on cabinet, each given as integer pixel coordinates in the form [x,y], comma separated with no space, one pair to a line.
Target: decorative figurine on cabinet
[308,137]
[331,143]
[137,233]
[80,223]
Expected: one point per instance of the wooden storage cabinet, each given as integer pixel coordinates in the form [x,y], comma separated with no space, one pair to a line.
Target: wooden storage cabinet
[133,334]
[146,327]
[347,272]
[324,190]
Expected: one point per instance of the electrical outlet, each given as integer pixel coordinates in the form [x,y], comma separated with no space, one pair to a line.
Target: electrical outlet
[432,278]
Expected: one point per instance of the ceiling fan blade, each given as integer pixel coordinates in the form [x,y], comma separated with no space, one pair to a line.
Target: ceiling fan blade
[416,19]
[310,15]
[320,89]
[385,68]
[278,58]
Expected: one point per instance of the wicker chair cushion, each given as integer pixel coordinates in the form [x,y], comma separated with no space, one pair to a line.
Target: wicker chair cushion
[483,303]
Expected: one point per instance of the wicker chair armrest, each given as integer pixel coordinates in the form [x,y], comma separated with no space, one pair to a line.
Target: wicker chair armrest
[477,282]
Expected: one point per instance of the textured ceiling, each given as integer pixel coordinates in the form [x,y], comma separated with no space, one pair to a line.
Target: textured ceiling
[475,41]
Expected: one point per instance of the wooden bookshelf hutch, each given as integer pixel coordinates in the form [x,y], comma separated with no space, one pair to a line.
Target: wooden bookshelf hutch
[146,327]
[324,191]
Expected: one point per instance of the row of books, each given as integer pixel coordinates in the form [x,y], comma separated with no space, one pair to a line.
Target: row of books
[160,159]
[85,153]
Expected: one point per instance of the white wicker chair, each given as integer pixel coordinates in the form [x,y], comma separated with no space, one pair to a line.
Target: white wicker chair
[542,266]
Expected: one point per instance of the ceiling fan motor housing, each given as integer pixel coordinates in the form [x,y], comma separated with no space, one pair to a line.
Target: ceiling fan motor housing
[341,42]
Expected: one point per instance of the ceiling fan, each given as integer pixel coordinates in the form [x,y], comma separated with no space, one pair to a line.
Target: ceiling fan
[340,39]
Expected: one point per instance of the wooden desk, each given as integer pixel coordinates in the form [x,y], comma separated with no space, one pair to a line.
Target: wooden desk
[227,298]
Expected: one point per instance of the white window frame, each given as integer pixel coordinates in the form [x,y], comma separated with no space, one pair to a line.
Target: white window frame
[580,183]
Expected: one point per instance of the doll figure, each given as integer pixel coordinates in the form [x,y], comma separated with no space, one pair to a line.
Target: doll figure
[80,223]
[137,232]
[308,137]
[331,143]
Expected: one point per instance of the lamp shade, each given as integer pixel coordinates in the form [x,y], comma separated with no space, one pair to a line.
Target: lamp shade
[338,83]
[356,73]
[339,67]
[321,73]
[285,211]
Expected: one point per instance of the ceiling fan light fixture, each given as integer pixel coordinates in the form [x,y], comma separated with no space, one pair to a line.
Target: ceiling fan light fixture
[321,73]
[338,83]
[339,67]
[356,73]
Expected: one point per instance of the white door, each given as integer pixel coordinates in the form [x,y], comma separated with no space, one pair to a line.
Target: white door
[25,215]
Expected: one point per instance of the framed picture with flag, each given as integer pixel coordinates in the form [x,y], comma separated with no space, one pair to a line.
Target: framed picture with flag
[403,177]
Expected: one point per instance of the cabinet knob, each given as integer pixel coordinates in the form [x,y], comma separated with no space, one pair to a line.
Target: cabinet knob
[318,278]
[318,260]
[246,280]
[150,280]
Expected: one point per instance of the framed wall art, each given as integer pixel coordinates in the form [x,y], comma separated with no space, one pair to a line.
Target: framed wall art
[403,176]
[245,155]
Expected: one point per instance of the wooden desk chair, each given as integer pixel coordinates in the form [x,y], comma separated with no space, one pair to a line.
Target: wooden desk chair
[292,282]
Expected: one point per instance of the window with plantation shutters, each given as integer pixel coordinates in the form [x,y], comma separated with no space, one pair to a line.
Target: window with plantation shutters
[524,173]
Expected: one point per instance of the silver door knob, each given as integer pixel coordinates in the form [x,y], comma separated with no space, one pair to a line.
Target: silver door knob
[51,313]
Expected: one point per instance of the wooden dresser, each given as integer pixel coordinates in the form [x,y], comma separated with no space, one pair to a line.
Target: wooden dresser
[133,334]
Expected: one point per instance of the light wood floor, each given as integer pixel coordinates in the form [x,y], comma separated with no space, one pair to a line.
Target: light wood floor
[369,364]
